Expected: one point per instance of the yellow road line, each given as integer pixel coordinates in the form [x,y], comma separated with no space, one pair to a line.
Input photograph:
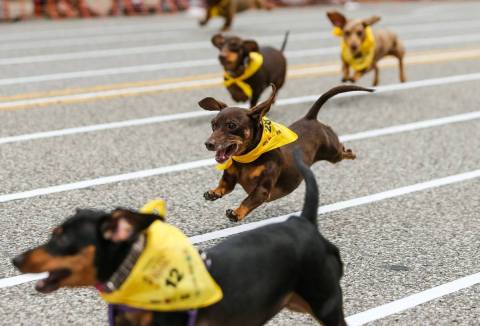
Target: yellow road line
[79,95]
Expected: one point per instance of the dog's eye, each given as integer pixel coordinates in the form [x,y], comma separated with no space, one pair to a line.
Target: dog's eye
[347,33]
[359,33]
[231,125]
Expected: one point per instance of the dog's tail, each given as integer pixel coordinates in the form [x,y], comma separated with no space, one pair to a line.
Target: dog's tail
[310,206]
[313,112]
[285,40]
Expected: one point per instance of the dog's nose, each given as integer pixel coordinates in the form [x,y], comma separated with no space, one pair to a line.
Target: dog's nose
[222,58]
[18,261]
[354,47]
[209,145]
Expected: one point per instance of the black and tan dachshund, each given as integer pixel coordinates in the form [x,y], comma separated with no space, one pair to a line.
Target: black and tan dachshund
[282,265]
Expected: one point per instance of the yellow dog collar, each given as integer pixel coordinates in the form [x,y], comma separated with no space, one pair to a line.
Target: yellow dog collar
[217,10]
[274,135]
[367,50]
[169,275]
[254,63]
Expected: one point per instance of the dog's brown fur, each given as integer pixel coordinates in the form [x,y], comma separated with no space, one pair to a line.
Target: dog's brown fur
[228,9]
[234,56]
[386,43]
[273,174]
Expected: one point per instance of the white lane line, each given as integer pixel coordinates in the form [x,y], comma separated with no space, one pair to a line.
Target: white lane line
[20,279]
[163,27]
[413,300]
[216,81]
[142,50]
[154,36]
[181,28]
[210,162]
[341,205]
[198,114]
[281,102]
[105,126]
[106,180]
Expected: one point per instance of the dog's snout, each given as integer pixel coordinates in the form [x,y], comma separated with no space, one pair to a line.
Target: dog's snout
[222,58]
[354,47]
[18,261]
[210,145]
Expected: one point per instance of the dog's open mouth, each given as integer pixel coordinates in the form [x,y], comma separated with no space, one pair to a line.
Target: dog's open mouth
[222,155]
[52,282]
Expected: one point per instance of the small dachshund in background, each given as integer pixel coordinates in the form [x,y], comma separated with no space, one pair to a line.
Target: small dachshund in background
[228,8]
[249,68]
[260,272]
[271,174]
[362,47]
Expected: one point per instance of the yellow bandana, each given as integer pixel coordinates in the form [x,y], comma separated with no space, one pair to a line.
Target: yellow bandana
[217,10]
[367,50]
[274,136]
[169,275]
[255,62]
[156,206]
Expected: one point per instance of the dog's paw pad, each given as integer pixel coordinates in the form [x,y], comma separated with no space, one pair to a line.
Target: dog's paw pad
[232,216]
[210,195]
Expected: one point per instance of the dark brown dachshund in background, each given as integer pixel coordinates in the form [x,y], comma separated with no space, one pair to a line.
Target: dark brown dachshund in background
[355,33]
[228,8]
[237,131]
[235,58]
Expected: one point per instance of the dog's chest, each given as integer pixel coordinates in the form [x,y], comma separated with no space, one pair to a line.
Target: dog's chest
[249,176]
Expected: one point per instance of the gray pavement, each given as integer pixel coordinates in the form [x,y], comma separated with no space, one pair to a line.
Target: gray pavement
[432,236]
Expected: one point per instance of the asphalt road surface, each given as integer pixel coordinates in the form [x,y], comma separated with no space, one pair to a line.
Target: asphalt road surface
[102,113]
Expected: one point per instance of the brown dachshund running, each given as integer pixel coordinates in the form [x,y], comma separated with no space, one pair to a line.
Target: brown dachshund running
[239,135]
[362,47]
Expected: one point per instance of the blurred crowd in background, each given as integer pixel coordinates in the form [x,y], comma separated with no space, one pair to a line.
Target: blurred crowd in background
[15,10]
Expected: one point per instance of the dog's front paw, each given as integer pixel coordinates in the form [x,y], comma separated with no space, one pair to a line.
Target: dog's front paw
[211,195]
[344,80]
[232,216]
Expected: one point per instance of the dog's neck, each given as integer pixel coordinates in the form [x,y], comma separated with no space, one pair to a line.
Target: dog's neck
[123,271]
[257,136]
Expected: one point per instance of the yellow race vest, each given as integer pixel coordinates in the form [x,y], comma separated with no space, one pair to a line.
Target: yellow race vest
[255,62]
[169,275]
[367,50]
[274,136]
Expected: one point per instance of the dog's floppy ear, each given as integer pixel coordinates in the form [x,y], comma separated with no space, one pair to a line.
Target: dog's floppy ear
[250,46]
[337,19]
[259,111]
[123,224]
[370,21]
[211,104]
[218,40]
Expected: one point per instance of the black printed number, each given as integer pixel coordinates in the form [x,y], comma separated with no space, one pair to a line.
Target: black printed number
[268,125]
[174,277]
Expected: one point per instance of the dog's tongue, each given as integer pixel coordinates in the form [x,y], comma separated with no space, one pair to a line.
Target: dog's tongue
[222,156]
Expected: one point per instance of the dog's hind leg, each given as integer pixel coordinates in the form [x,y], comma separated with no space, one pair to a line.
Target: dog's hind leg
[399,52]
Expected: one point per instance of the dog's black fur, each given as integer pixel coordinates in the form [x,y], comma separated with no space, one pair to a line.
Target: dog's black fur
[288,264]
